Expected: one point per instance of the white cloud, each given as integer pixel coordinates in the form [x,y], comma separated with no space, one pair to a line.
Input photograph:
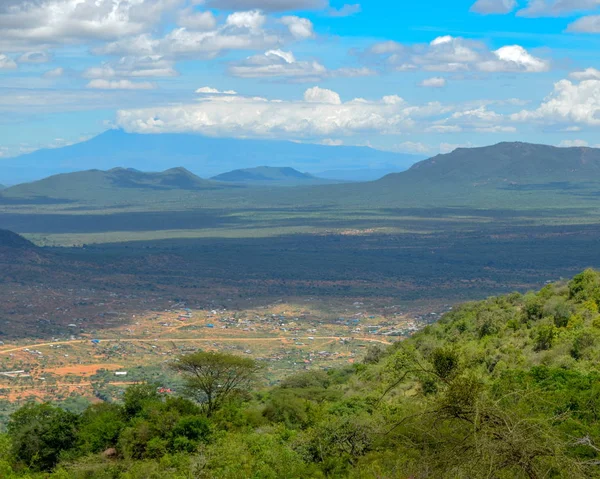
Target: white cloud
[279,63]
[587,74]
[321,95]
[268,5]
[455,54]
[570,103]
[412,147]
[450,147]
[435,82]
[241,31]
[491,7]
[320,114]
[188,18]
[253,20]
[573,143]
[346,11]
[557,8]
[300,28]
[101,84]
[514,58]
[589,24]
[206,90]
[56,22]
[54,73]
[150,66]
[330,142]
[7,63]
[34,57]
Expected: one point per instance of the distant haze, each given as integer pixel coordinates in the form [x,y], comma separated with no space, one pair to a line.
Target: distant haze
[204,156]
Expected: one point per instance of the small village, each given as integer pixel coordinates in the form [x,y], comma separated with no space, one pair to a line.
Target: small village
[95,351]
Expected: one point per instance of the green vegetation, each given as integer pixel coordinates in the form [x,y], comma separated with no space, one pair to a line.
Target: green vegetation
[271,176]
[503,388]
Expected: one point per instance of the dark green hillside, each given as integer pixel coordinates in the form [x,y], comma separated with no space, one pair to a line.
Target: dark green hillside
[506,388]
[8,239]
[271,176]
[2,187]
[103,185]
[518,165]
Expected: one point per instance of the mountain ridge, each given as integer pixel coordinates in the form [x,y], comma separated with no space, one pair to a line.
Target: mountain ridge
[271,176]
[506,164]
[202,155]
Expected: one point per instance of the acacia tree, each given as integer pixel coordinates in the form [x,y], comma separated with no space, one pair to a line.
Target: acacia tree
[211,378]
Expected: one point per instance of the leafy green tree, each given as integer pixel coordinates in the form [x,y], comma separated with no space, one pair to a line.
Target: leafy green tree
[212,378]
[40,433]
[137,397]
[100,427]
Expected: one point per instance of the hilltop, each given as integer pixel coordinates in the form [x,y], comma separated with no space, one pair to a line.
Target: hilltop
[98,185]
[202,155]
[271,176]
[519,165]
[17,254]
[10,240]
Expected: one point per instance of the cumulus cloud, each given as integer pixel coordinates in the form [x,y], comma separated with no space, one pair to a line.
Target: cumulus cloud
[573,143]
[321,95]
[268,5]
[587,74]
[557,8]
[412,147]
[283,64]
[7,63]
[149,66]
[454,54]
[331,142]
[188,18]
[206,90]
[321,114]
[346,11]
[54,73]
[300,28]
[514,58]
[101,84]
[55,22]
[494,7]
[240,31]
[435,82]
[450,147]
[589,24]
[34,57]
[569,103]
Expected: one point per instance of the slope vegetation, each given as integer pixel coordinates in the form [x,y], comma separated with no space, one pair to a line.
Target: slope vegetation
[271,176]
[507,164]
[98,185]
[505,388]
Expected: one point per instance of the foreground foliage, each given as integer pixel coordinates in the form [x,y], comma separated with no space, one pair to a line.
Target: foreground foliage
[504,388]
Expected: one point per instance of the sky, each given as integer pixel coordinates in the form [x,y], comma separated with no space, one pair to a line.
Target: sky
[413,77]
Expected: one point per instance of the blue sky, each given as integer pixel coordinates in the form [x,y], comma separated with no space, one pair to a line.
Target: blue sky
[419,77]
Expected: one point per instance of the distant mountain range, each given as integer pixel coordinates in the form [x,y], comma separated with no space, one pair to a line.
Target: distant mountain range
[466,176]
[204,156]
[271,176]
[97,184]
